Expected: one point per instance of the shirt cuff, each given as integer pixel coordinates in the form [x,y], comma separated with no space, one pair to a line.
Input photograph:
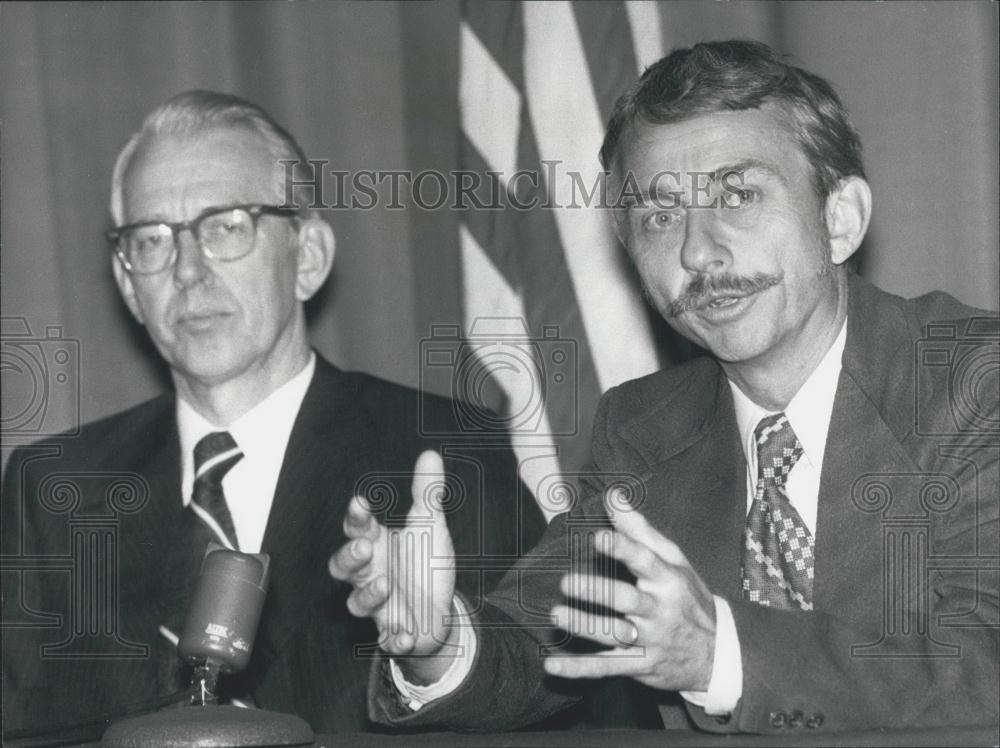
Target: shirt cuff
[725,686]
[415,696]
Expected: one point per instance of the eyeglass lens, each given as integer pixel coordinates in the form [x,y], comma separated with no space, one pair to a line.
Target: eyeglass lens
[227,235]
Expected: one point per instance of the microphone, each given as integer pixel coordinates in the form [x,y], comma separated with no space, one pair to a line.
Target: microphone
[217,639]
[222,618]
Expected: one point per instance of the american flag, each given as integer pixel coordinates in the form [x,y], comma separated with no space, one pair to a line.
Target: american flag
[551,308]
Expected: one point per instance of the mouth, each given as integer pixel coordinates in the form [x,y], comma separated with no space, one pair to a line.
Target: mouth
[201,320]
[725,308]
[720,302]
[723,301]
[720,294]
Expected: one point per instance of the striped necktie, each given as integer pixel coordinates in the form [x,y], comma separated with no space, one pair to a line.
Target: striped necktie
[778,547]
[214,455]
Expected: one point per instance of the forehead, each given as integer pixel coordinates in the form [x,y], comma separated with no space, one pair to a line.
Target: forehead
[708,142]
[173,177]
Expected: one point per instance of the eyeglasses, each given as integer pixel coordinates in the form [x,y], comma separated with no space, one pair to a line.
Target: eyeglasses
[222,234]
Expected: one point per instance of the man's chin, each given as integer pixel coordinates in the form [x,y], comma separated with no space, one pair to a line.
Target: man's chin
[207,365]
[733,345]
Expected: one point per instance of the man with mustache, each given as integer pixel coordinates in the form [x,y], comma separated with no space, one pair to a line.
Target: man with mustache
[762,545]
[259,448]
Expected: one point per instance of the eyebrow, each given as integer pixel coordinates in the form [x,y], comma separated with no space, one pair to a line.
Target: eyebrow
[739,167]
[750,164]
[163,218]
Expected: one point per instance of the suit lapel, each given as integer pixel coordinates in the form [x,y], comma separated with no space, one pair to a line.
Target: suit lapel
[697,475]
[871,418]
[149,537]
[860,447]
[332,442]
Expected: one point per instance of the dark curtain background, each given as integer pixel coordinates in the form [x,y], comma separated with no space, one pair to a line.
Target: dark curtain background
[373,86]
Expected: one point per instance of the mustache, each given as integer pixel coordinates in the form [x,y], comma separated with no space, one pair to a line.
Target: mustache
[704,288]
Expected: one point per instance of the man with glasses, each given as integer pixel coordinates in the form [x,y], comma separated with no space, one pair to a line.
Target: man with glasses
[259,447]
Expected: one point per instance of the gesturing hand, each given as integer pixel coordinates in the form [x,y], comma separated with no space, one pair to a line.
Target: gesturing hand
[667,639]
[403,578]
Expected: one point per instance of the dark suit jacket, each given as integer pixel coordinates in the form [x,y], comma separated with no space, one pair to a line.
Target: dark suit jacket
[107,504]
[906,622]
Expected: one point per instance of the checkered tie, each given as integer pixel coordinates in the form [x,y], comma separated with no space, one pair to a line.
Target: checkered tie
[214,455]
[778,548]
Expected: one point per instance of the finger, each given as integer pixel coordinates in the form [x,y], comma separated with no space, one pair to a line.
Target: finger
[399,644]
[396,623]
[609,631]
[640,560]
[396,619]
[358,521]
[635,526]
[365,601]
[350,562]
[428,486]
[610,593]
[599,665]
[429,490]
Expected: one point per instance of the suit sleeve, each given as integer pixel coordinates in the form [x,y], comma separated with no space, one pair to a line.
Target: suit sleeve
[26,696]
[507,687]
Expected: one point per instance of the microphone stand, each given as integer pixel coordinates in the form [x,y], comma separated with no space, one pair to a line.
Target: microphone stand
[217,639]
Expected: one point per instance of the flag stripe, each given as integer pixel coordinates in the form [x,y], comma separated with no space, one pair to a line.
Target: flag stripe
[491,227]
[527,93]
[498,105]
[647,31]
[537,457]
[557,95]
[523,246]
[498,25]
[606,26]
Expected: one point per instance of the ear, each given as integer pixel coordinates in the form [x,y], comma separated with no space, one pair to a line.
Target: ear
[125,287]
[848,211]
[615,186]
[316,250]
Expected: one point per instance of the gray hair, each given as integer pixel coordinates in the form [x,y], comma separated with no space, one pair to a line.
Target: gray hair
[194,112]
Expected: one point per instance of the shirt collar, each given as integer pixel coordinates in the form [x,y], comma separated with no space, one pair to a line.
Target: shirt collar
[267,423]
[808,412]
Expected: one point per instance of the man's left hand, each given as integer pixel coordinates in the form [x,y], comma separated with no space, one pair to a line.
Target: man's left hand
[667,636]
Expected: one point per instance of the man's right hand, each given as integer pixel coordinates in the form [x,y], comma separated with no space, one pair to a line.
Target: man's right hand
[404,578]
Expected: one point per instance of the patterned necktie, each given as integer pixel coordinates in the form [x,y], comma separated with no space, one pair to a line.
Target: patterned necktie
[214,455]
[778,547]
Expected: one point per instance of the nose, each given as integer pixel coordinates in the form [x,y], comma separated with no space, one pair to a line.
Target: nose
[704,249]
[191,265]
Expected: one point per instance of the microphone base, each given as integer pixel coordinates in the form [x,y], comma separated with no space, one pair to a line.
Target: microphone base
[209,727]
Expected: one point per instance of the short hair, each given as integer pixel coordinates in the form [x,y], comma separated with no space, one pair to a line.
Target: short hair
[736,75]
[195,112]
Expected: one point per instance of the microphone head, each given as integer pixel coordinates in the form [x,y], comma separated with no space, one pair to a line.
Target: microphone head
[225,609]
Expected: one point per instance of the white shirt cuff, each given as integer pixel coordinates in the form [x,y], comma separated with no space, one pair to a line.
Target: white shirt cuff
[415,696]
[725,686]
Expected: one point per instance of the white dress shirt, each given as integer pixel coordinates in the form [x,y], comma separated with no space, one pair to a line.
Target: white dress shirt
[809,413]
[262,435]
